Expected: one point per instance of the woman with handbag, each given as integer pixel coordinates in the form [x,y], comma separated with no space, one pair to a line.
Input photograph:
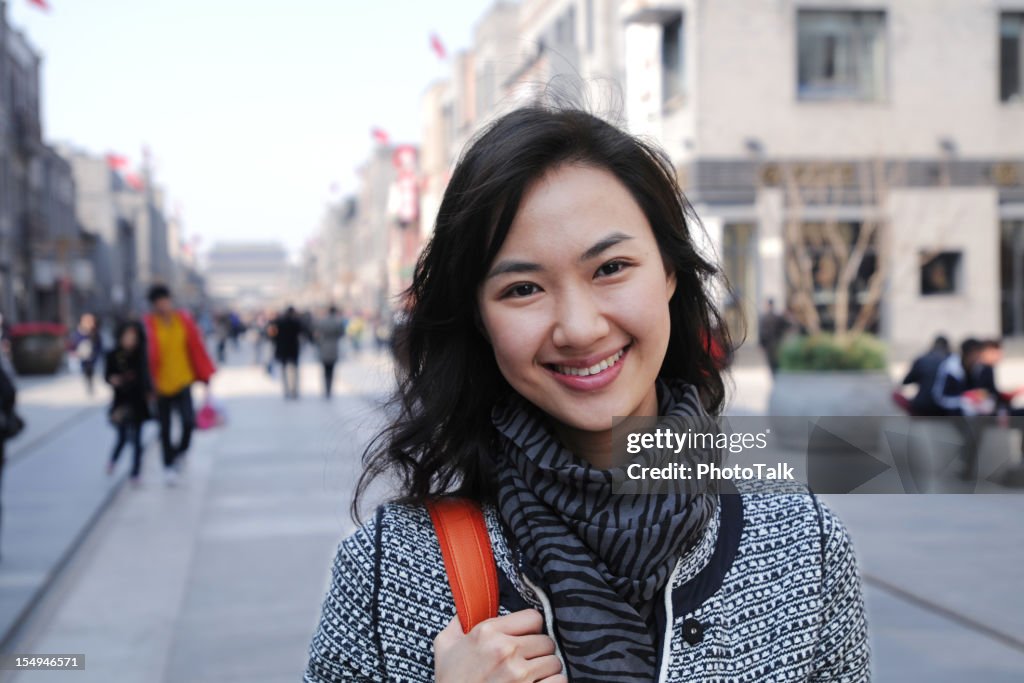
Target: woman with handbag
[563,285]
[127,371]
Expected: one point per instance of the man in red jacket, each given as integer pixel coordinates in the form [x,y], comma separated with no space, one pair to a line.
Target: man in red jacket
[177,359]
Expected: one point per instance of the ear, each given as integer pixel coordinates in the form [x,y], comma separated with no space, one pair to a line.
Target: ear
[670,284]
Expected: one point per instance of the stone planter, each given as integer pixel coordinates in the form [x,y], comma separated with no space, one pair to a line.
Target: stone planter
[37,348]
[851,405]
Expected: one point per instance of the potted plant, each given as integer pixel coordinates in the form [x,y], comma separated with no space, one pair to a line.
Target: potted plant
[826,375]
[37,348]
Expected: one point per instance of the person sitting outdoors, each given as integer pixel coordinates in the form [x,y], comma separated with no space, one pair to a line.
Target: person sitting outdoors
[922,373]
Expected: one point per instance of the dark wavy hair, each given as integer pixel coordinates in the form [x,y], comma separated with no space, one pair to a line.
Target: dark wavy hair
[441,434]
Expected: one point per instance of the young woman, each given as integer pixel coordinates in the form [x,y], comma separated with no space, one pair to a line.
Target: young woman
[127,372]
[562,287]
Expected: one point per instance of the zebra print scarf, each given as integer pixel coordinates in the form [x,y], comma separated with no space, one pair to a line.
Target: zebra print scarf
[602,557]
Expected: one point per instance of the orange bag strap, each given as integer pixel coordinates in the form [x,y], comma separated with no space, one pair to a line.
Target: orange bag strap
[468,559]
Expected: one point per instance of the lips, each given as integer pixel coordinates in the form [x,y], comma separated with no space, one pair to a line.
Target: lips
[589,374]
[603,364]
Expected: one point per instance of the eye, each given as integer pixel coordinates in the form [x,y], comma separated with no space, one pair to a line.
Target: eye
[611,268]
[520,291]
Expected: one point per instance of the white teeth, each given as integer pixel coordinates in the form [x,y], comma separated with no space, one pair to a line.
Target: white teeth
[593,369]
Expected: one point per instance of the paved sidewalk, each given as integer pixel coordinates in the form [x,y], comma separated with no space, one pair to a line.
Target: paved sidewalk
[221,578]
[52,402]
[54,485]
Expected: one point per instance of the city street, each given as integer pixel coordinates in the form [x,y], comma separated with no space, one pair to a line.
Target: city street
[221,578]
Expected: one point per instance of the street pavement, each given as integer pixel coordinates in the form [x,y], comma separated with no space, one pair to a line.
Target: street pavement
[221,578]
[53,485]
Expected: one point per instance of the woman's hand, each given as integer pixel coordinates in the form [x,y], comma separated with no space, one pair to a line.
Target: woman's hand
[508,649]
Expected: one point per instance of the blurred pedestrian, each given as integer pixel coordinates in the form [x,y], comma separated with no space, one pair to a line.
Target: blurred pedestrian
[951,392]
[126,370]
[382,332]
[10,422]
[288,345]
[222,330]
[328,333]
[87,346]
[235,328]
[269,332]
[177,359]
[356,327]
[922,373]
[983,377]
[771,328]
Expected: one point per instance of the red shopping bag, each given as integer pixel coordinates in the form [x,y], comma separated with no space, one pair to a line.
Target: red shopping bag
[211,415]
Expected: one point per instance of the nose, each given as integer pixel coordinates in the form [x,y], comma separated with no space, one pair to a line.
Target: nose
[580,322]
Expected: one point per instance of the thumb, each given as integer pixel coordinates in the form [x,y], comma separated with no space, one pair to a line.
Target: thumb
[448,636]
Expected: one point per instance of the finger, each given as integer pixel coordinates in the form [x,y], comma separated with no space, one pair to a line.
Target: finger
[521,623]
[535,646]
[542,668]
[559,678]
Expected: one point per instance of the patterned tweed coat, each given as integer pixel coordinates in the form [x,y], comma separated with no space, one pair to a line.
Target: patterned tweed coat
[770,592]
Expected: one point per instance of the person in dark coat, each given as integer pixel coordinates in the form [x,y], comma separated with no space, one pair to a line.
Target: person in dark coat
[771,328]
[922,373]
[127,371]
[288,343]
[8,397]
[88,347]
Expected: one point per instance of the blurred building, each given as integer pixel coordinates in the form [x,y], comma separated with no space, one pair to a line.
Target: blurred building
[246,276]
[124,215]
[329,261]
[785,119]
[803,133]
[370,289]
[571,52]
[45,259]
[63,275]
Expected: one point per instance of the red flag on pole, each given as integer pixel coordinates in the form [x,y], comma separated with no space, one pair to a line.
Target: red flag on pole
[41,4]
[116,161]
[380,135]
[133,181]
[437,46]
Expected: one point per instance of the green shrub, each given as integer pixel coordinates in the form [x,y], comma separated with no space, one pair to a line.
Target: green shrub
[825,352]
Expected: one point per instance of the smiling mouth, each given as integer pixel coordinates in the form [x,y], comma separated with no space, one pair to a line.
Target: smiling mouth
[594,369]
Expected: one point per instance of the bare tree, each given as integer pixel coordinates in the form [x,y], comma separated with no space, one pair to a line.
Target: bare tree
[824,257]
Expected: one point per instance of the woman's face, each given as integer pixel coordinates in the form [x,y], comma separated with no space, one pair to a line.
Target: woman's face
[129,338]
[575,303]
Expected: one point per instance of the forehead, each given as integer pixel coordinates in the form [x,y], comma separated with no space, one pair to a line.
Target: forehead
[573,206]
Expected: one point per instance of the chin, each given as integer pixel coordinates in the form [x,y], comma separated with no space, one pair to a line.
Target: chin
[597,419]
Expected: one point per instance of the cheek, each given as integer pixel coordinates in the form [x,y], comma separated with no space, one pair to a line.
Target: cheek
[643,309]
[516,335]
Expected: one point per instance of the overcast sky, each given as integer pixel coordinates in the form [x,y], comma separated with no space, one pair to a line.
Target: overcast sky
[252,108]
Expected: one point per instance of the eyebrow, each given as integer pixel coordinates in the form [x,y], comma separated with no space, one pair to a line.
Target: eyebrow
[600,247]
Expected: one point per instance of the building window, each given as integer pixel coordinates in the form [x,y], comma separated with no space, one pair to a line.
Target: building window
[1011,57]
[840,55]
[940,272]
[672,61]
